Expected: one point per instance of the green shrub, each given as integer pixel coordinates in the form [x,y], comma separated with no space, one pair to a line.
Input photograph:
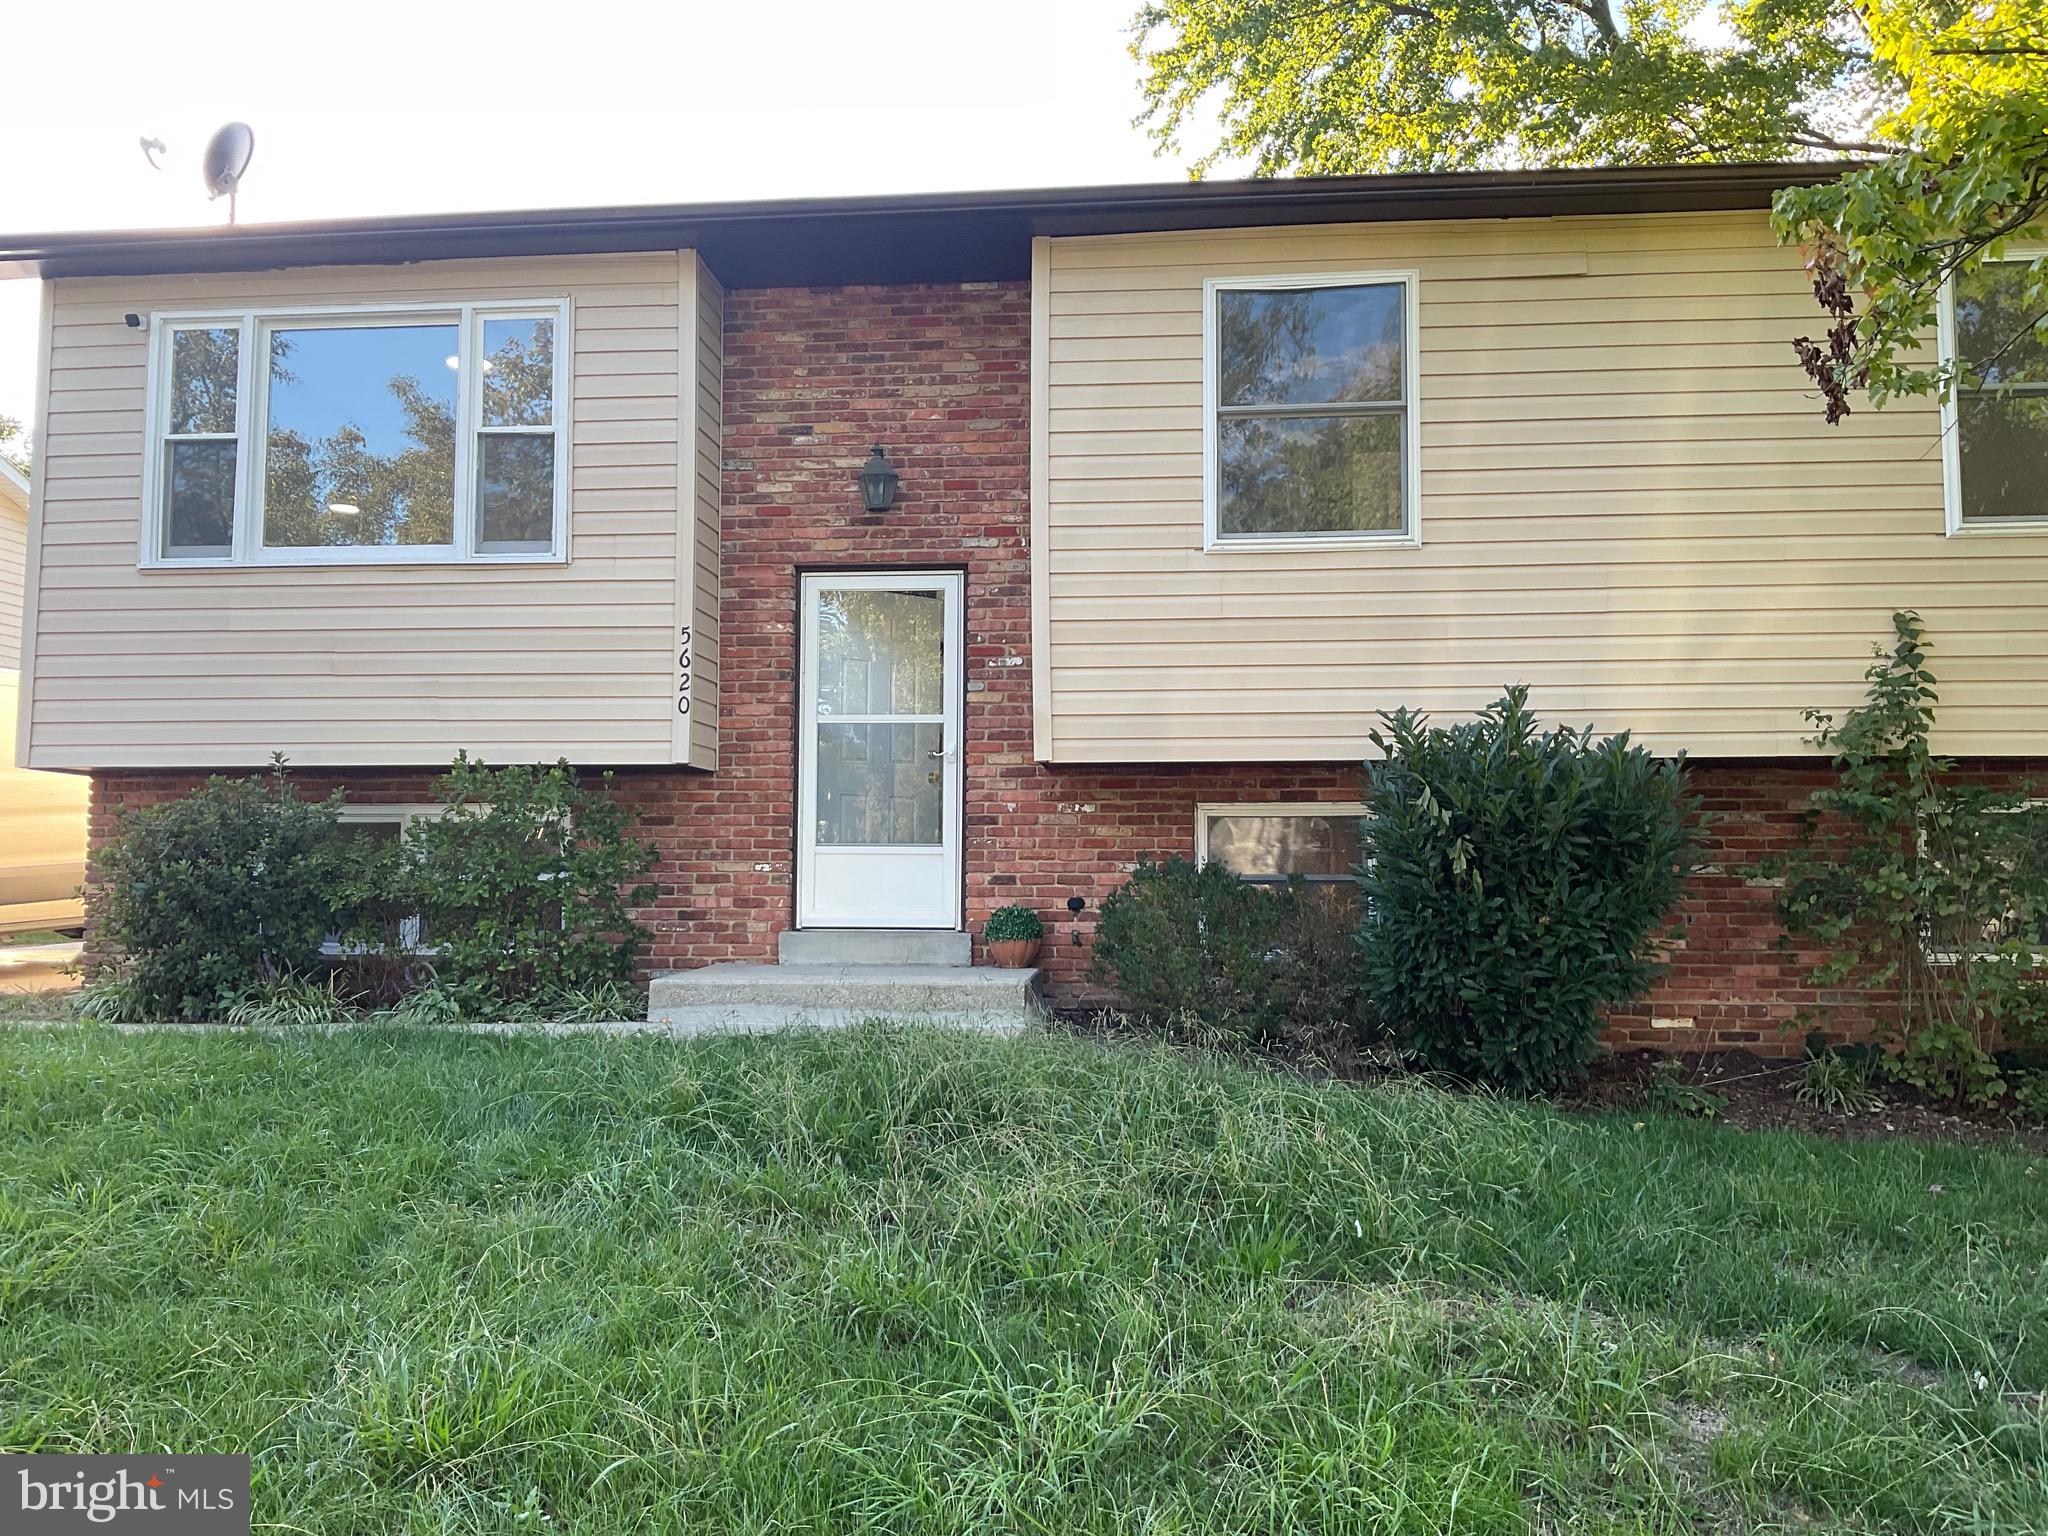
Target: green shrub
[208,897]
[2030,1093]
[1839,1082]
[1514,882]
[1197,950]
[1923,890]
[524,885]
[1671,1093]
[1012,923]
[290,1002]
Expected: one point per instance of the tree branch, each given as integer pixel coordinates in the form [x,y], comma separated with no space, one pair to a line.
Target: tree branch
[1601,14]
[2006,51]
[1817,140]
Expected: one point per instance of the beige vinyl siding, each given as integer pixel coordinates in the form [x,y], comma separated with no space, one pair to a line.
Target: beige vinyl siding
[13,572]
[1628,500]
[392,665]
[702,426]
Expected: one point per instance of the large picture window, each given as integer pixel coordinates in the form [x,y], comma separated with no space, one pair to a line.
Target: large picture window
[301,437]
[1309,386]
[1996,442]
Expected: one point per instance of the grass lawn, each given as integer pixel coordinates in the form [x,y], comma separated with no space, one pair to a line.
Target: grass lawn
[904,1281]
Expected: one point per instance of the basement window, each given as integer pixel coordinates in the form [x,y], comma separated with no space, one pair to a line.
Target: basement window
[1269,844]
[358,436]
[2015,861]
[405,933]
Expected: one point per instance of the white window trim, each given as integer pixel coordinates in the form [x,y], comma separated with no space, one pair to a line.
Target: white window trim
[402,817]
[1951,438]
[1410,534]
[1209,808]
[252,411]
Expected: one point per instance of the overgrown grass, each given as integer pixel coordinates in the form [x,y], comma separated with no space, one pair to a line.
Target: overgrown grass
[904,1281]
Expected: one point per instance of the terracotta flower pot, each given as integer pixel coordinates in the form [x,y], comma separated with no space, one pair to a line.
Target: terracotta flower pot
[1014,954]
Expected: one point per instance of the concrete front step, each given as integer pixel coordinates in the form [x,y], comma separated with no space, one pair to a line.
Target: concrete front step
[874,946]
[748,998]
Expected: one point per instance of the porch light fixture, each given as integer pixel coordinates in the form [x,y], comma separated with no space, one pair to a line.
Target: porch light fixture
[878,479]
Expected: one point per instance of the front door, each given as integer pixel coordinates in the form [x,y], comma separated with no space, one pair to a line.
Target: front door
[878,751]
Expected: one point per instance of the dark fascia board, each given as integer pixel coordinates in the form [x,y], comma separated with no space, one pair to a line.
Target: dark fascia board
[932,237]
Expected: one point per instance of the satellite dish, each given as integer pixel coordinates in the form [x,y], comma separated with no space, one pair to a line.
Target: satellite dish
[227,159]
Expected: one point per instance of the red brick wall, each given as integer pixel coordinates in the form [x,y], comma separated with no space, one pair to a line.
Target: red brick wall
[940,375]
[1041,836]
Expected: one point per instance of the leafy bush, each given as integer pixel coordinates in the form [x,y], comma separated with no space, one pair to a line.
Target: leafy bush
[1012,923]
[217,893]
[523,885]
[440,1004]
[109,999]
[2030,1093]
[1839,1083]
[1514,881]
[290,1002]
[1924,890]
[1196,949]
[1671,1093]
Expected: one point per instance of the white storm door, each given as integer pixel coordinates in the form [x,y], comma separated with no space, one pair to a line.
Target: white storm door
[878,751]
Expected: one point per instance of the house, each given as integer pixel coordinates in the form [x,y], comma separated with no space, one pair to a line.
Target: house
[1194,480]
[42,815]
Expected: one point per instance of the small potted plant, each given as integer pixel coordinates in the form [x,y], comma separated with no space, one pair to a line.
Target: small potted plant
[1013,935]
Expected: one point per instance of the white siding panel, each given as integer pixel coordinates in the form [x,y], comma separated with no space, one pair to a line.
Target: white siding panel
[13,576]
[348,665]
[1628,500]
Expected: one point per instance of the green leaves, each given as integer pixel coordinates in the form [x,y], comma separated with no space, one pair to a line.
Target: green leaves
[1515,879]
[1923,889]
[1198,951]
[224,900]
[1967,105]
[525,885]
[1012,923]
[1384,85]
[230,887]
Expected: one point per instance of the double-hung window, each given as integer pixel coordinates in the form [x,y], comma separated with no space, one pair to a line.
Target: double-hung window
[422,433]
[1309,391]
[1995,442]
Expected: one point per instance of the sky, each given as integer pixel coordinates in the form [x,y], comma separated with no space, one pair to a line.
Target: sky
[368,107]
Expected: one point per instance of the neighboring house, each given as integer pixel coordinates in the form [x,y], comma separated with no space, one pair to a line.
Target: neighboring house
[1195,480]
[42,815]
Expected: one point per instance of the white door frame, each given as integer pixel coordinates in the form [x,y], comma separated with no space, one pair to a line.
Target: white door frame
[902,892]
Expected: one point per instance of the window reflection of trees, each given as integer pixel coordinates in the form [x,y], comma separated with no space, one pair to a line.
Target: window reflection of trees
[2001,396]
[881,653]
[205,374]
[1283,467]
[337,490]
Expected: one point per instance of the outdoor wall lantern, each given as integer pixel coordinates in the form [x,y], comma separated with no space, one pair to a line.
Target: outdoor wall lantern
[878,482]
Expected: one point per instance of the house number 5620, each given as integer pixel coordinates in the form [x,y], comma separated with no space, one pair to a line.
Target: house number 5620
[683,670]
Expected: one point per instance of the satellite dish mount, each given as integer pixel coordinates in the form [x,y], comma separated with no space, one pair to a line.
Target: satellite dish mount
[227,160]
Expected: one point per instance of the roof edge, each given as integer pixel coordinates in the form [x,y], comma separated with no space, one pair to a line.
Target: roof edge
[853,239]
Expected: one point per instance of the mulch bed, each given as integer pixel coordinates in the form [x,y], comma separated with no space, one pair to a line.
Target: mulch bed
[1762,1096]
[1761,1092]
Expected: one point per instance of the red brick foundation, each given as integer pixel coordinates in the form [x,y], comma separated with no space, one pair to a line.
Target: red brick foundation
[940,375]
[1042,835]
